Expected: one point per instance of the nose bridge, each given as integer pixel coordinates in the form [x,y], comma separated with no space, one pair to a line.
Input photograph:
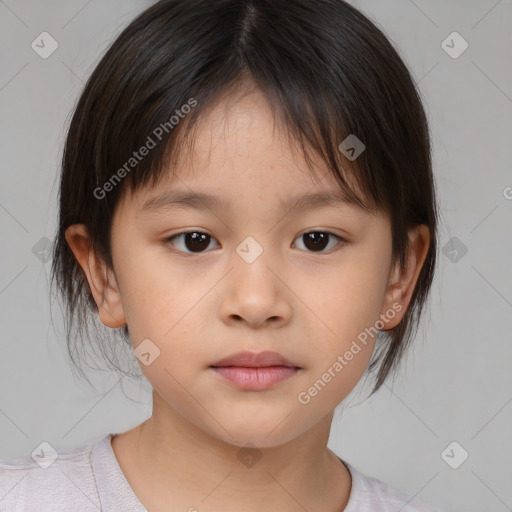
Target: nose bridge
[254,293]
[250,249]
[253,257]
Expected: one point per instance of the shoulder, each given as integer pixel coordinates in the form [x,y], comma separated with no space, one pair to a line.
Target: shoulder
[371,494]
[49,480]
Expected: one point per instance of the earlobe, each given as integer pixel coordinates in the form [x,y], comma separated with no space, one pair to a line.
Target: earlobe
[402,282]
[102,281]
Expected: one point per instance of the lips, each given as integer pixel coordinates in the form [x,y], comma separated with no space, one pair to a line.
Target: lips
[251,371]
[255,360]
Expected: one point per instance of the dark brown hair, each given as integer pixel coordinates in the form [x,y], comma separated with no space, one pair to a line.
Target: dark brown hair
[326,70]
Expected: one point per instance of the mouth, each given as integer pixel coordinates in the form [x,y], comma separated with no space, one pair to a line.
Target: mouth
[255,371]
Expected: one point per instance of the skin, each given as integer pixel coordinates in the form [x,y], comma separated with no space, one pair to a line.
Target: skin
[200,307]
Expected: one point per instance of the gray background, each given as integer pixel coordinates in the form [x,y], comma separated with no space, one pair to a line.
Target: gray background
[458,383]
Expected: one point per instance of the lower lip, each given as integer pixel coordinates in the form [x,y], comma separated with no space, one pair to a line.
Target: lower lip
[255,379]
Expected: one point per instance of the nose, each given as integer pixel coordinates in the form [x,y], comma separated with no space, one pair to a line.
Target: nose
[255,294]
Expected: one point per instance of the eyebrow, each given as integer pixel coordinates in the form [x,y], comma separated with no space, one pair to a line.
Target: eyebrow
[173,200]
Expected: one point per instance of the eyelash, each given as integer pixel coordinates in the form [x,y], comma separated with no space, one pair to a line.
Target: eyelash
[169,240]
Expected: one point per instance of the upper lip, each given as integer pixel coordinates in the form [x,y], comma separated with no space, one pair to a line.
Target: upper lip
[255,360]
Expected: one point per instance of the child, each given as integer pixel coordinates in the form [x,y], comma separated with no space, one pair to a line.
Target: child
[247,196]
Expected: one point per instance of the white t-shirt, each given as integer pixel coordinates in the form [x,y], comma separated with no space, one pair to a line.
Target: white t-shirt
[89,478]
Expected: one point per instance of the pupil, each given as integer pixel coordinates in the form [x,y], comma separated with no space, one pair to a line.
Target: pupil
[315,240]
[196,241]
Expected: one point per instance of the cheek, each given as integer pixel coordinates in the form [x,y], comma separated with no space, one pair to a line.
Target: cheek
[156,294]
[347,300]
[346,307]
[171,308]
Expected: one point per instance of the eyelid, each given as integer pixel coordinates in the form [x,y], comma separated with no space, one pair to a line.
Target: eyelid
[168,240]
[341,240]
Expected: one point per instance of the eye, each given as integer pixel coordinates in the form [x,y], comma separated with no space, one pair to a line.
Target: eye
[317,241]
[193,241]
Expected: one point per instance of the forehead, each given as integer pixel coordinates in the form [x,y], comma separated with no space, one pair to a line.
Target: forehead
[238,152]
[240,127]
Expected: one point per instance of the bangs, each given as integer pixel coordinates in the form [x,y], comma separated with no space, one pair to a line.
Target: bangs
[307,131]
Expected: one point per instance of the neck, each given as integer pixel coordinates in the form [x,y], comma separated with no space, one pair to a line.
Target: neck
[169,461]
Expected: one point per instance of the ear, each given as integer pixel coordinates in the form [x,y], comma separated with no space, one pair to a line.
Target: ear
[102,281]
[402,283]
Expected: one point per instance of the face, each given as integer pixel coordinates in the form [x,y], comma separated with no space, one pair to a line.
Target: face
[311,285]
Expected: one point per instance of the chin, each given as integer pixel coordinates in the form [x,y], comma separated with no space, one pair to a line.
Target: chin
[260,433]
